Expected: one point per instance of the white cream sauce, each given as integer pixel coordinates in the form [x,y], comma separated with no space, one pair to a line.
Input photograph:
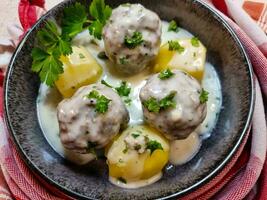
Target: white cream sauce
[135,184]
[181,151]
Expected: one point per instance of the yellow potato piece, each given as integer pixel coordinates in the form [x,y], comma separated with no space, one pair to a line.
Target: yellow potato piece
[131,165]
[154,163]
[80,69]
[191,60]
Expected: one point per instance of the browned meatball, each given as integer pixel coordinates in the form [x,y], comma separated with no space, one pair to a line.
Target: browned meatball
[82,126]
[187,112]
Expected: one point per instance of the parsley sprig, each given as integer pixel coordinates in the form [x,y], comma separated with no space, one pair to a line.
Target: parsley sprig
[153,105]
[102,102]
[52,43]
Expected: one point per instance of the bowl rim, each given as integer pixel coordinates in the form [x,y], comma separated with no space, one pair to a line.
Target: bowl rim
[183,192]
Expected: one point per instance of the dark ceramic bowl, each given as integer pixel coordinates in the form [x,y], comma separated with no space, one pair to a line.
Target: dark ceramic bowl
[225,52]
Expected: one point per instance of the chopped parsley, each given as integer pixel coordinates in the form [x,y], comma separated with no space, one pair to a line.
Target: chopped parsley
[123,90]
[167,101]
[102,55]
[81,56]
[125,150]
[106,84]
[122,180]
[52,43]
[204,96]
[102,102]
[128,101]
[133,41]
[153,105]
[153,145]
[123,60]
[173,26]
[195,42]
[175,46]
[135,135]
[91,147]
[165,74]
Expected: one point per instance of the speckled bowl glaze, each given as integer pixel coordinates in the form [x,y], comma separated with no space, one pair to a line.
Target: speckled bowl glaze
[225,52]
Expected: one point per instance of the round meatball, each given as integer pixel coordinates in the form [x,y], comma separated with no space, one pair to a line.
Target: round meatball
[91,118]
[185,111]
[132,37]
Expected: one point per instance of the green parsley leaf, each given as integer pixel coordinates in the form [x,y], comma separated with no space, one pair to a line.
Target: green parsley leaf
[195,42]
[152,105]
[175,46]
[173,26]
[123,60]
[81,56]
[49,39]
[73,19]
[122,180]
[135,135]
[167,101]
[153,145]
[125,150]
[165,74]
[204,96]
[123,90]
[102,55]
[101,101]
[128,101]
[101,13]
[47,65]
[105,83]
[134,41]
[95,29]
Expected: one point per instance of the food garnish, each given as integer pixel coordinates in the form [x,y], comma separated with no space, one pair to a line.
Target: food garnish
[122,180]
[165,74]
[195,42]
[124,90]
[106,84]
[51,44]
[153,105]
[153,145]
[175,46]
[204,96]
[102,55]
[102,102]
[173,26]
[133,41]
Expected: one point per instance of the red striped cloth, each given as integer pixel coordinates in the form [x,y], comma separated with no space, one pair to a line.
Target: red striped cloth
[244,177]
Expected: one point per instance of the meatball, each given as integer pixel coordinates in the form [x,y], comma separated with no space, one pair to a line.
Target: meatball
[185,111]
[132,37]
[91,118]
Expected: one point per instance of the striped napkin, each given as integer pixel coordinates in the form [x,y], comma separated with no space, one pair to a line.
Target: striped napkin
[245,177]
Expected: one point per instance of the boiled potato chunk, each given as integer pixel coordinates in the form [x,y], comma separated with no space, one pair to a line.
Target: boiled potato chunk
[191,60]
[80,68]
[130,156]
